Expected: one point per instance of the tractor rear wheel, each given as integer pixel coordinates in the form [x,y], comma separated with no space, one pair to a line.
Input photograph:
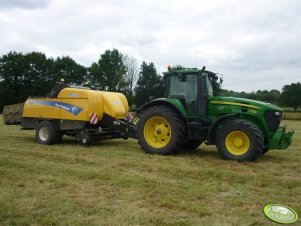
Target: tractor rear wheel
[192,144]
[160,130]
[239,140]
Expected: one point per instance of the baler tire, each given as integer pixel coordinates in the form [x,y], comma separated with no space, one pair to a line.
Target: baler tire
[57,89]
[191,144]
[46,129]
[171,124]
[243,137]
[85,140]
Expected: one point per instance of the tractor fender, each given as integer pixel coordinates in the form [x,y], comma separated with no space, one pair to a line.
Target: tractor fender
[213,127]
[175,105]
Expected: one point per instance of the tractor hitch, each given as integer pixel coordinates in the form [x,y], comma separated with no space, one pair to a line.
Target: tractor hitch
[281,139]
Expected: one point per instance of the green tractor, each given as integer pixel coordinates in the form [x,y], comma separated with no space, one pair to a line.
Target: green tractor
[242,129]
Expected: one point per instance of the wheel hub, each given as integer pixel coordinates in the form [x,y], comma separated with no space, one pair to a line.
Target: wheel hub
[157,132]
[44,134]
[237,142]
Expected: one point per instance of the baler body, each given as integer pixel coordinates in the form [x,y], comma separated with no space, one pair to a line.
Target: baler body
[76,105]
[80,112]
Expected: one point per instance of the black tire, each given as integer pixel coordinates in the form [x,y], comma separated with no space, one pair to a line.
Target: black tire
[85,140]
[46,133]
[175,124]
[252,139]
[57,89]
[191,144]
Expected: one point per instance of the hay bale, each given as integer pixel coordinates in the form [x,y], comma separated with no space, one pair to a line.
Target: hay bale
[12,114]
[292,115]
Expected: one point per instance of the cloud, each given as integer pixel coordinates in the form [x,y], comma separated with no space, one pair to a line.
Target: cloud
[23,4]
[255,44]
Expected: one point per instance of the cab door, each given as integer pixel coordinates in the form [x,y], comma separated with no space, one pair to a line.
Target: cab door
[184,88]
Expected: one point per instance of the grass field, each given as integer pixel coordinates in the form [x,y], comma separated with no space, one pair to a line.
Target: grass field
[115,183]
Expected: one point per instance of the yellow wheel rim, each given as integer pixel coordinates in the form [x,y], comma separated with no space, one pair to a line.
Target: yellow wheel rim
[157,132]
[237,143]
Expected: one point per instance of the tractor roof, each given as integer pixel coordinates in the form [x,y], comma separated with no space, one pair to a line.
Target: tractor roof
[186,71]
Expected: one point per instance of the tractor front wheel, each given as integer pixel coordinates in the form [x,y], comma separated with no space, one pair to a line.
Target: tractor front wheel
[160,130]
[239,140]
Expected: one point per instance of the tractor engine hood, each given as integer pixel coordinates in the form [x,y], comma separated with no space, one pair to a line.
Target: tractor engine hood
[248,103]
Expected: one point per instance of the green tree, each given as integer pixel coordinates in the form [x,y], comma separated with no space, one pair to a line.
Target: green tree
[291,95]
[216,86]
[24,75]
[150,84]
[9,74]
[66,68]
[271,96]
[109,72]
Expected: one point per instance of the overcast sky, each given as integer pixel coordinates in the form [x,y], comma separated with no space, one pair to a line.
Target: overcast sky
[255,44]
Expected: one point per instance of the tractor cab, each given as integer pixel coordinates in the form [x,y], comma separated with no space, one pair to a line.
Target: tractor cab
[192,87]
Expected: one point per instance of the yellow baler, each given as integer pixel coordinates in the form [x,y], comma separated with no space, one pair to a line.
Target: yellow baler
[84,113]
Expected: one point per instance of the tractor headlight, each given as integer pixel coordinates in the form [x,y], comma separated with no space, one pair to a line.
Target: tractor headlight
[277,113]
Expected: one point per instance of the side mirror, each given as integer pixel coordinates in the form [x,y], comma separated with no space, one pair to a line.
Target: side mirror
[221,79]
[182,77]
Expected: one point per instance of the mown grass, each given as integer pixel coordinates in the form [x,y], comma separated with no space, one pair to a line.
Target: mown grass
[114,183]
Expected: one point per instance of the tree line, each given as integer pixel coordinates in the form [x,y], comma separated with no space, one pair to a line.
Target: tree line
[289,96]
[34,74]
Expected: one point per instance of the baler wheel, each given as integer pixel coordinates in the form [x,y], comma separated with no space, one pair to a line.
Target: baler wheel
[46,133]
[85,140]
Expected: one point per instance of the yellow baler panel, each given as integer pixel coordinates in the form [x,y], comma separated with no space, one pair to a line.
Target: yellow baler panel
[41,108]
[93,97]
[124,101]
[78,103]
[115,104]
[75,93]
[53,108]
[96,103]
[112,103]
